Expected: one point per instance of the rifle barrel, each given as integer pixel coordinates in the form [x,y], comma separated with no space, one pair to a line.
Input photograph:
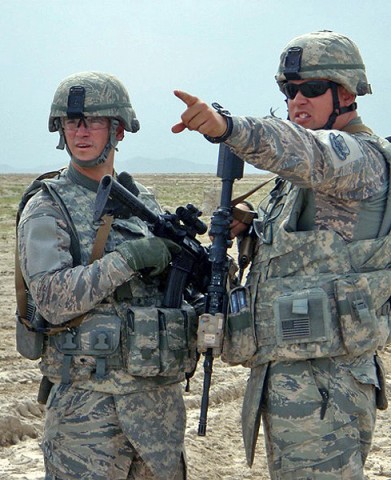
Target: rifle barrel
[229,168]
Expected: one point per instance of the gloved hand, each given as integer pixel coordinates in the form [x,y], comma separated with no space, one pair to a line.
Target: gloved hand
[148,252]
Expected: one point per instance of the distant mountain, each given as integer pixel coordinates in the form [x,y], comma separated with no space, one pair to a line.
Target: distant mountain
[166,165]
[133,165]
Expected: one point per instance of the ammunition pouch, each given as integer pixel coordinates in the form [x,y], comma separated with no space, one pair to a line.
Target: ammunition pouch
[151,341]
[239,343]
[359,323]
[160,341]
[299,318]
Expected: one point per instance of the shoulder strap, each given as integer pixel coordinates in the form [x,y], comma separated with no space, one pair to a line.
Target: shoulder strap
[101,237]
[97,252]
[20,287]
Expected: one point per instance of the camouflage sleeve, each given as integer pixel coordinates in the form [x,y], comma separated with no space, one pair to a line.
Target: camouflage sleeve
[330,161]
[61,291]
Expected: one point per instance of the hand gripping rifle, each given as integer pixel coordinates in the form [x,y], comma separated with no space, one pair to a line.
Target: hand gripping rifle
[190,266]
[210,329]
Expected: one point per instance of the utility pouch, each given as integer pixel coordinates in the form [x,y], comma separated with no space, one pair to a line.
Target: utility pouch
[381,394]
[239,343]
[29,332]
[92,346]
[172,341]
[142,356]
[191,325]
[210,333]
[159,341]
[359,324]
[303,318]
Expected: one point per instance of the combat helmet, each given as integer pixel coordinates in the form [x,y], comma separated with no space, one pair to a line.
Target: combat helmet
[92,94]
[327,55]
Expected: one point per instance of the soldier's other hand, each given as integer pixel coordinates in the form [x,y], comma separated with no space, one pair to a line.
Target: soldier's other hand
[151,252]
[199,116]
[240,224]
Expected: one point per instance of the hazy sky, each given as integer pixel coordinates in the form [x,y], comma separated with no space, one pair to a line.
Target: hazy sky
[219,50]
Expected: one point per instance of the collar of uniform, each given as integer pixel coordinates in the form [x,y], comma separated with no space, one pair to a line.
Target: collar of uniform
[356,126]
[81,179]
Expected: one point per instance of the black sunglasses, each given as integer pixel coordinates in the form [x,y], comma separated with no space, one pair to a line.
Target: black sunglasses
[311,89]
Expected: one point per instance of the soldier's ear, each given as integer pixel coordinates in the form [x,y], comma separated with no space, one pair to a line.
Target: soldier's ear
[120,134]
[346,98]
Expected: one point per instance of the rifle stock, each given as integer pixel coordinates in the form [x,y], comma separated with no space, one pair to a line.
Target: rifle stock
[230,167]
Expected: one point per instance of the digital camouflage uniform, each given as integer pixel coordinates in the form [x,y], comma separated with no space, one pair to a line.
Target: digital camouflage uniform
[116,410]
[319,294]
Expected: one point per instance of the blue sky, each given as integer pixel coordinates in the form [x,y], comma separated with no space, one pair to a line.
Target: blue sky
[219,50]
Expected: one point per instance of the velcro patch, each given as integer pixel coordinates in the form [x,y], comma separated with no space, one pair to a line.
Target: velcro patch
[343,147]
[339,145]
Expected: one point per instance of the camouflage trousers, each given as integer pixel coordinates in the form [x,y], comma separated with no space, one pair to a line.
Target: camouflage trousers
[318,420]
[96,436]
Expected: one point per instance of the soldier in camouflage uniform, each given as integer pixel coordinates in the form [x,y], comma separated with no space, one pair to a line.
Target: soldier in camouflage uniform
[319,285]
[116,409]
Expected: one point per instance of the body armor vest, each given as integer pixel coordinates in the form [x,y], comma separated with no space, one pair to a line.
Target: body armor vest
[312,294]
[128,331]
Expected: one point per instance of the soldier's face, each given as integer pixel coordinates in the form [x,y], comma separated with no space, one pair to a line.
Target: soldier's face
[308,112]
[86,143]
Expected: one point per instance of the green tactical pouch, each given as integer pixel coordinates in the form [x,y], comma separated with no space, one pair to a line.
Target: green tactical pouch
[359,324]
[239,343]
[142,356]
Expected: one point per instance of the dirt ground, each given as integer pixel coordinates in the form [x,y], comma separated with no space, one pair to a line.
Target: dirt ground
[218,455]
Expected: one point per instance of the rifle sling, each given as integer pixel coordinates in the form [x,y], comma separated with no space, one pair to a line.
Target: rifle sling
[240,199]
[247,216]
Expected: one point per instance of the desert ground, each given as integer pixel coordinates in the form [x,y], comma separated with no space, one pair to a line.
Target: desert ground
[218,455]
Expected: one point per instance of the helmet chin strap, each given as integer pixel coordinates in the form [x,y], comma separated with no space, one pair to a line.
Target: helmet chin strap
[337,110]
[112,143]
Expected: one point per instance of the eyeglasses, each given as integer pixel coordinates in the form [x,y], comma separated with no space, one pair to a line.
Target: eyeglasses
[311,89]
[91,123]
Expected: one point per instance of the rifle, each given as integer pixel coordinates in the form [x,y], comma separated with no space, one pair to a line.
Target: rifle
[190,266]
[210,330]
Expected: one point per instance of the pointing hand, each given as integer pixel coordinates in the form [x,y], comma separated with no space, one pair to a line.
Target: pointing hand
[199,116]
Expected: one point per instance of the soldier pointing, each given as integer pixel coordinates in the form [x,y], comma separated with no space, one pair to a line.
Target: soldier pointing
[319,284]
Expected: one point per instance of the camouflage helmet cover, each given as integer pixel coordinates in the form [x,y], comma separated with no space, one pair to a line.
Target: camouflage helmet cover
[324,54]
[105,96]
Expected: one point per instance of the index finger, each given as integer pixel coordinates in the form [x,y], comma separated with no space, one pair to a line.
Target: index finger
[186,97]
